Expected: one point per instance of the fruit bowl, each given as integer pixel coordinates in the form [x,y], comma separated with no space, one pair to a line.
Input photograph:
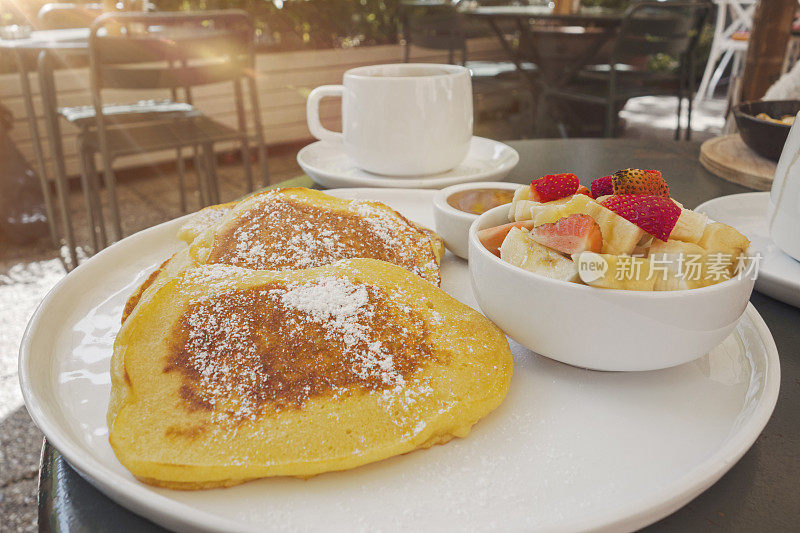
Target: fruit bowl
[602,329]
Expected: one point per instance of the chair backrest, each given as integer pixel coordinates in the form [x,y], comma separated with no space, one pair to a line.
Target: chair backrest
[733,16]
[651,27]
[170,50]
[57,16]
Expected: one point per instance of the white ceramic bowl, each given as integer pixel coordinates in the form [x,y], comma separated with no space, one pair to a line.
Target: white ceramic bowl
[602,329]
[452,224]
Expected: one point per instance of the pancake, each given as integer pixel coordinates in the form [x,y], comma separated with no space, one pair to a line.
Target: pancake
[208,219]
[210,216]
[202,220]
[166,270]
[294,228]
[225,374]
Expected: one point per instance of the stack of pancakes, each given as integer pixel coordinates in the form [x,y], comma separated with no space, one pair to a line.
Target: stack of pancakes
[296,334]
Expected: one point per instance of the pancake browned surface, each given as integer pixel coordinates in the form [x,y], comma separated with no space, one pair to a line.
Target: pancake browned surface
[208,219]
[227,374]
[287,229]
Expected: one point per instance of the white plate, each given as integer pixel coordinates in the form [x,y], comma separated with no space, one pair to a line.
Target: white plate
[328,165]
[778,274]
[568,450]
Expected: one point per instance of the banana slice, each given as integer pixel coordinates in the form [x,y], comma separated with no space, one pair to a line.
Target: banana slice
[522,251]
[681,265]
[724,242]
[689,227]
[521,195]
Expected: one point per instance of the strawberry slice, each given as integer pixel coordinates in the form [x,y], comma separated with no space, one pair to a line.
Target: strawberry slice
[570,235]
[654,214]
[584,190]
[554,186]
[602,186]
[637,181]
[492,238]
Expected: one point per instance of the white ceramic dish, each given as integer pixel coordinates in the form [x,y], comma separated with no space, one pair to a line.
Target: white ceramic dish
[328,165]
[778,274]
[569,449]
[602,329]
[452,224]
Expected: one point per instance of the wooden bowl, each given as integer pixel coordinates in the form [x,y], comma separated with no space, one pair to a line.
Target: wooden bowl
[764,137]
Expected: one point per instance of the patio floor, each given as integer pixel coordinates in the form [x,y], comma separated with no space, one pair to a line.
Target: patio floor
[148,196]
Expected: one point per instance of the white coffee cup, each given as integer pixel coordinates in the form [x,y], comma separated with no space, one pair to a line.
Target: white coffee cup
[402,119]
[783,216]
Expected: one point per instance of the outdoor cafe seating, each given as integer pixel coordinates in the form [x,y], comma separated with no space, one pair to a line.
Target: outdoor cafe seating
[509,265]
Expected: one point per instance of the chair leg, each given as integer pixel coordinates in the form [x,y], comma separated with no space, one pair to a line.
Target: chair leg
[541,114]
[181,178]
[244,144]
[713,56]
[611,105]
[247,163]
[98,202]
[87,199]
[202,181]
[678,113]
[263,162]
[611,117]
[211,167]
[111,188]
[718,73]
[259,131]
[690,81]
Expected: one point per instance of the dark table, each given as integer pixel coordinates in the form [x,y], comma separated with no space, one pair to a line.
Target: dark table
[760,493]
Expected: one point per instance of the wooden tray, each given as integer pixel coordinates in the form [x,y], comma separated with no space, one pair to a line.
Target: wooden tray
[730,159]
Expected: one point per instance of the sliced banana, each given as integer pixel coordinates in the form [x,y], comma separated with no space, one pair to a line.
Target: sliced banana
[522,251]
[689,227]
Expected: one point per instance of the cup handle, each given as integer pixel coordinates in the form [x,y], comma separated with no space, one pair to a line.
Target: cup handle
[312,112]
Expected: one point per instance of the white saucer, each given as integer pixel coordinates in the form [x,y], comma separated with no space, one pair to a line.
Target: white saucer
[779,274]
[328,165]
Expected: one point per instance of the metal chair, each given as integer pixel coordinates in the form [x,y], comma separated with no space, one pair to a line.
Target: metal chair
[57,16]
[64,16]
[442,27]
[174,51]
[649,29]
[731,36]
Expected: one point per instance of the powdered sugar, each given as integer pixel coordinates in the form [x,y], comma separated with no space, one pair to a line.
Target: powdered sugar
[202,220]
[282,343]
[343,307]
[279,231]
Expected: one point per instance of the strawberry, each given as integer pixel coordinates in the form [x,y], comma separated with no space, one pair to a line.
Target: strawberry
[654,214]
[583,190]
[554,186]
[637,181]
[570,235]
[602,186]
[492,238]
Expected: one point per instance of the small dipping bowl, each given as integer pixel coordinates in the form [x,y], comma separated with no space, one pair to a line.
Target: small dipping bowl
[452,222]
